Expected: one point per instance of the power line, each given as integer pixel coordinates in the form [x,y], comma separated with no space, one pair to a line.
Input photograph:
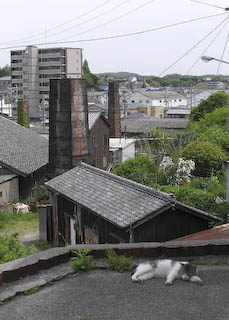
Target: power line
[117,36]
[115,19]
[187,52]
[208,4]
[92,19]
[210,44]
[62,24]
[225,46]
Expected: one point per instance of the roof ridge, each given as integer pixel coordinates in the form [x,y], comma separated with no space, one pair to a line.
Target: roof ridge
[130,183]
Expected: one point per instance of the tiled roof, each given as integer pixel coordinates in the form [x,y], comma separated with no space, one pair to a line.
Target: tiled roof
[6,177]
[93,116]
[116,199]
[21,150]
[146,125]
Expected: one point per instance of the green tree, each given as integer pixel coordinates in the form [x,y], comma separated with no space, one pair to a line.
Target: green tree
[207,156]
[217,135]
[138,169]
[91,79]
[22,117]
[5,71]
[217,100]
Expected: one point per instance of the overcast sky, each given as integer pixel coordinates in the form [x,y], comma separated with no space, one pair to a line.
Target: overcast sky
[46,22]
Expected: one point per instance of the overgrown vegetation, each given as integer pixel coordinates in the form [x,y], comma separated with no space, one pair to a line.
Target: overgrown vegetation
[19,223]
[11,249]
[83,261]
[118,262]
[40,195]
[22,116]
[188,164]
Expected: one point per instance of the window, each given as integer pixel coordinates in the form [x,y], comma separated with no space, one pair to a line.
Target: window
[147,101]
[94,142]
[140,101]
[0,194]
[105,140]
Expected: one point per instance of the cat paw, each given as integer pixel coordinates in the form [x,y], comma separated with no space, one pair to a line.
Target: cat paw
[168,283]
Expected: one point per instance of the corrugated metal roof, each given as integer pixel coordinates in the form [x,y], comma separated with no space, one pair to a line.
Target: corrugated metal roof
[118,200]
[21,150]
[218,232]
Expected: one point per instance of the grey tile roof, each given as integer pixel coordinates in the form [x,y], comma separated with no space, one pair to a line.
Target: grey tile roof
[93,116]
[116,199]
[146,125]
[6,177]
[163,95]
[121,201]
[21,150]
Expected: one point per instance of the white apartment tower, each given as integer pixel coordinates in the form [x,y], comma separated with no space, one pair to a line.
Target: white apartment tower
[32,68]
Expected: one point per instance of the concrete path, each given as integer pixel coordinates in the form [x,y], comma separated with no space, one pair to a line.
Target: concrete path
[107,295]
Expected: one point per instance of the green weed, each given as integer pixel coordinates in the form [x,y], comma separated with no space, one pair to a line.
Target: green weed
[118,262]
[83,261]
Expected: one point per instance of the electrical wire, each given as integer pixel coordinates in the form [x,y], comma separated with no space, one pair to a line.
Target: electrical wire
[225,46]
[62,24]
[92,19]
[117,36]
[208,4]
[187,52]
[115,19]
[210,44]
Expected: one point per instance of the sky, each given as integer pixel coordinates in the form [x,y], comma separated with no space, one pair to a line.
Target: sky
[156,37]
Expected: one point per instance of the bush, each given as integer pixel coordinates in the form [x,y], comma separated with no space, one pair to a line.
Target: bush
[11,249]
[201,199]
[83,261]
[207,156]
[40,195]
[118,263]
[139,169]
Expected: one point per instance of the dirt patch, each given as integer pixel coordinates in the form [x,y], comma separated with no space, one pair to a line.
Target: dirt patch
[34,235]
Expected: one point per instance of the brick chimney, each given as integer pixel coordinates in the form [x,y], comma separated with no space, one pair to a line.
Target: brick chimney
[68,131]
[114,110]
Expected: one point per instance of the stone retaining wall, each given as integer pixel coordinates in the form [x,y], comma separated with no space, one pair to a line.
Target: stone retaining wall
[21,268]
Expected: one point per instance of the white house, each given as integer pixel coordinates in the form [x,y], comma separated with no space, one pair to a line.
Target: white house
[122,149]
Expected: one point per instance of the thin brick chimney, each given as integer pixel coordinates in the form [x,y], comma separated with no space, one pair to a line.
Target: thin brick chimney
[68,131]
[114,110]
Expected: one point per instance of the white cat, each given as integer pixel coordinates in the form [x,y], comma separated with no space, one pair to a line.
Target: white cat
[168,269]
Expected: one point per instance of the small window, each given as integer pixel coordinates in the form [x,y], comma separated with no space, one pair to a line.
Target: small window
[0,194]
[94,142]
[105,140]
[147,101]
[140,101]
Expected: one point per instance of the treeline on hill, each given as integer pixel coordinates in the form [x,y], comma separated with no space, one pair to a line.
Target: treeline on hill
[188,164]
[172,80]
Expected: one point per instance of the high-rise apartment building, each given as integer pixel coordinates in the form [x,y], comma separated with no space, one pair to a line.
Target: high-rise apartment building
[32,68]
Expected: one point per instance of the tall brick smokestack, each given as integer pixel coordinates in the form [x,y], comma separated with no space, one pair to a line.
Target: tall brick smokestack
[68,131]
[114,110]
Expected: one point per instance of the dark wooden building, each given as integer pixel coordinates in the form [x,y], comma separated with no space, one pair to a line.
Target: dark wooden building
[94,206]
[24,154]
[98,140]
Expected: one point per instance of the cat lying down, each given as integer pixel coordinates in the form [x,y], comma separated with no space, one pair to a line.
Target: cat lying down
[169,269]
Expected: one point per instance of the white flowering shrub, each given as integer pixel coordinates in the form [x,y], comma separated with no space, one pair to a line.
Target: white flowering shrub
[179,173]
[184,169]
